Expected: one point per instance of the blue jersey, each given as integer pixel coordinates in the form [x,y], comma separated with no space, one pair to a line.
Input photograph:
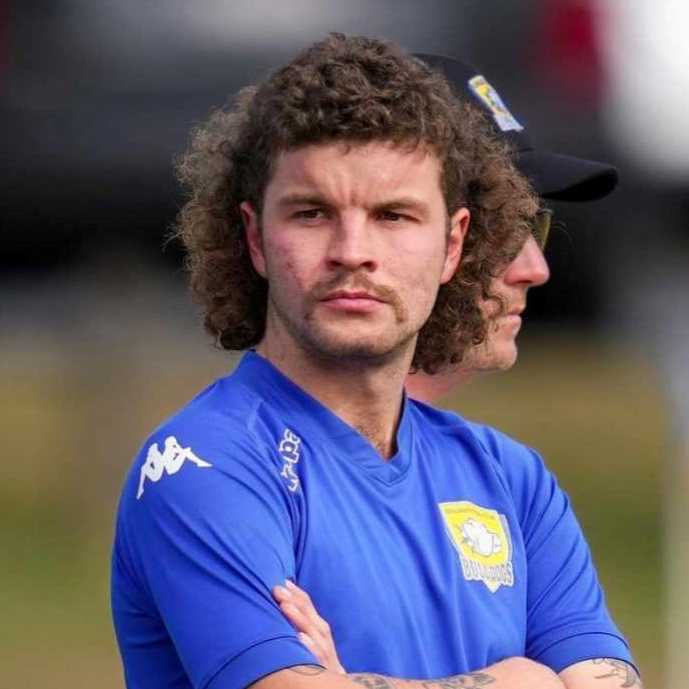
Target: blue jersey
[458,552]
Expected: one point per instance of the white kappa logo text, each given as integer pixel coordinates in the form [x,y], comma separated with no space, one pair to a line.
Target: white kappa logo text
[170,460]
[289,449]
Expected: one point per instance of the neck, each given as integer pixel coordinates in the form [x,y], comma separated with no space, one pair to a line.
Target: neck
[366,395]
[431,388]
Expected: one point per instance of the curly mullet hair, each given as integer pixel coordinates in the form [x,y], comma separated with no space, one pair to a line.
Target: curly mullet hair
[355,90]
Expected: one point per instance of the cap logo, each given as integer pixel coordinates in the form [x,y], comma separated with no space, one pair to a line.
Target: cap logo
[491,99]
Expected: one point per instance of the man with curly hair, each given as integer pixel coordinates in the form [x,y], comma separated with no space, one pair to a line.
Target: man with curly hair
[328,212]
[557,177]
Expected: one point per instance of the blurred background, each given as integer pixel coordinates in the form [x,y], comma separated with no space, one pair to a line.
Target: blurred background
[99,341]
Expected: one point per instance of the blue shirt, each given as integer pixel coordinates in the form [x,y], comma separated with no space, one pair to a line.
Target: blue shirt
[458,552]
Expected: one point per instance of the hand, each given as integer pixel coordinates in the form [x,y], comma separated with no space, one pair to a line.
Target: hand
[313,631]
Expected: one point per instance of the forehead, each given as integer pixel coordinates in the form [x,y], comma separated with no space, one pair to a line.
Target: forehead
[357,172]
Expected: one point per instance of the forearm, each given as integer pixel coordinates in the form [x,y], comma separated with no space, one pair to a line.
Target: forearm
[521,673]
[601,673]
[513,673]
[472,680]
[518,673]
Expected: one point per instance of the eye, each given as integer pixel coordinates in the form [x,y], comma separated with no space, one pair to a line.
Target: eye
[309,214]
[540,227]
[391,216]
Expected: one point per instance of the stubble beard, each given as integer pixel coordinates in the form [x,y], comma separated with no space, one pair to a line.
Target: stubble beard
[496,353]
[330,344]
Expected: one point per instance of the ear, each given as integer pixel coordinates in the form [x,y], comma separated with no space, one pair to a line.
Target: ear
[459,226]
[253,237]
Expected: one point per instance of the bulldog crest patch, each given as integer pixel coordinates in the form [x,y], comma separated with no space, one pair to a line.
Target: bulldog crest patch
[481,537]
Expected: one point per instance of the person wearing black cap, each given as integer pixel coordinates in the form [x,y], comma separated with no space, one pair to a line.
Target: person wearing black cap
[553,176]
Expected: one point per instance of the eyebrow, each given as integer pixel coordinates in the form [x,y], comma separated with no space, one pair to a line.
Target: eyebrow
[403,202]
[302,200]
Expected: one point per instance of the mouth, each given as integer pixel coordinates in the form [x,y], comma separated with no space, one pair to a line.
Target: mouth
[512,318]
[356,301]
[511,321]
[516,310]
[348,295]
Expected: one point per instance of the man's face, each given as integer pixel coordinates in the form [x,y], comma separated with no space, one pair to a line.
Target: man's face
[499,350]
[354,241]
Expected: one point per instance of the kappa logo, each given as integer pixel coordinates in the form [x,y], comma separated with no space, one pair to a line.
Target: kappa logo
[491,99]
[169,461]
[482,539]
[290,449]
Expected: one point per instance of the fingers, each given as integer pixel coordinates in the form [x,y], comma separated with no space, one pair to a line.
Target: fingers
[296,611]
[303,602]
[310,644]
[313,631]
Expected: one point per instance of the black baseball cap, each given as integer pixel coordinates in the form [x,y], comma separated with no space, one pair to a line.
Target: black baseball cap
[553,175]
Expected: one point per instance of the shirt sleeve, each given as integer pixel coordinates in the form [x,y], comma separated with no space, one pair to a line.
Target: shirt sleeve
[567,617]
[202,545]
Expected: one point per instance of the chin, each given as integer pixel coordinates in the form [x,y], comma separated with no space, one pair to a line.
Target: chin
[506,363]
[506,357]
[498,358]
[363,347]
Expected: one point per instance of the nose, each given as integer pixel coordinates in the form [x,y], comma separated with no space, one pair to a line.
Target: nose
[529,267]
[351,245]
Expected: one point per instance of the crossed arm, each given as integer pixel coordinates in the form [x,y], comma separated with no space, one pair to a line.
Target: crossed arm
[512,673]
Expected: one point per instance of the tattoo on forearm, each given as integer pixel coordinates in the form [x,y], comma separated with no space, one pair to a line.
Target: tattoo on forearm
[472,680]
[308,670]
[618,668]
[372,681]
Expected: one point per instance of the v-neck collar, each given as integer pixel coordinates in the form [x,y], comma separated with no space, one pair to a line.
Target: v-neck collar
[312,420]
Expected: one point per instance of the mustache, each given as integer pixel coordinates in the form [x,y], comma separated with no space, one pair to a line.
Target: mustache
[357,282]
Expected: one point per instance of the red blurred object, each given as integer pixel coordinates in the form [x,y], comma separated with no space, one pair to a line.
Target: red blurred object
[568,50]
